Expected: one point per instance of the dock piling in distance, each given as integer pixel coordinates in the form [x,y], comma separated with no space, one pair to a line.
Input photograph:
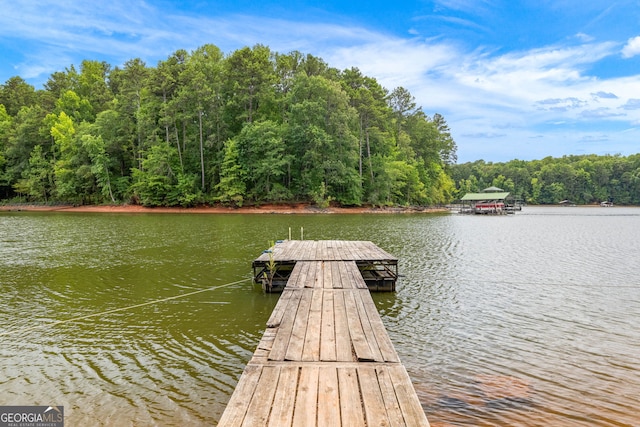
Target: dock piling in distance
[325,358]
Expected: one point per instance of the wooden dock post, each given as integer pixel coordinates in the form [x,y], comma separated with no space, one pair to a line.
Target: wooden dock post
[325,358]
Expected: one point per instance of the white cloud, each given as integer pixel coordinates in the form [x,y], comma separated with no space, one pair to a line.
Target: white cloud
[584,37]
[602,94]
[484,135]
[558,104]
[465,5]
[395,62]
[480,93]
[594,138]
[631,104]
[632,48]
[600,113]
[496,104]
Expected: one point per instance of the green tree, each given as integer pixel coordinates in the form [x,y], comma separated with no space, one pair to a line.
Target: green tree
[262,157]
[16,93]
[75,107]
[405,187]
[403,105]
[251,126]
[469,185]
[166,85]
[6,125]
[155,183]
[325,151]
[129,85]
[536,191]
[117,142]
[250,85]
[369,100]
[95,147]
[442,189]
[37,179]
[27,131]
[199,101]
[59,82]
[92,85]
[553,193]
[66,165]
[231,188]
[445,145]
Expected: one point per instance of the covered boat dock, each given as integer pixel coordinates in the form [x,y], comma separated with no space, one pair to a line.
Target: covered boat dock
[491,201]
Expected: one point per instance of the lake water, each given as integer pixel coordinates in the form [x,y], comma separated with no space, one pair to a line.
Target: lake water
[547,300]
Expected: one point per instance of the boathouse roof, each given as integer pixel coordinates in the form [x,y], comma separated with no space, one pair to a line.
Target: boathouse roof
[493,190]
[485,196]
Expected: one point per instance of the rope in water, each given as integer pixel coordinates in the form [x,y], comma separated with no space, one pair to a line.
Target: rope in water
[115,310]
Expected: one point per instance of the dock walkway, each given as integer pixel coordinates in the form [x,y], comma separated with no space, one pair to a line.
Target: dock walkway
[325,358]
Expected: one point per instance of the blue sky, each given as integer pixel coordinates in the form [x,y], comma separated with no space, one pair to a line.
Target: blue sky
[514,79]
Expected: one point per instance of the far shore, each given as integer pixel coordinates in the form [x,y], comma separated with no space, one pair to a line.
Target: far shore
[298,208]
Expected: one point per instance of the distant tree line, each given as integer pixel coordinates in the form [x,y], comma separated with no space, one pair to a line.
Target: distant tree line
[582,179]
[252,126]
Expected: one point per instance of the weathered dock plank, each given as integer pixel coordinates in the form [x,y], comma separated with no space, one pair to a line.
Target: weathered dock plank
[328,329]
[344,348]
[312,345]
[236,410]
[330,394]
[283,333]
[306,397]
[283,405]
[299,329]
[325,358]
[361,348]
[316,322]
[351,409]
[328,397]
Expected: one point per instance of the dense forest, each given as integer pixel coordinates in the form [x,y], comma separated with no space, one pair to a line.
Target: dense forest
[201,127]
[582,179]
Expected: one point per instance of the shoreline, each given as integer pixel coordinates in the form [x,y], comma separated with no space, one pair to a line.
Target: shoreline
[297,208]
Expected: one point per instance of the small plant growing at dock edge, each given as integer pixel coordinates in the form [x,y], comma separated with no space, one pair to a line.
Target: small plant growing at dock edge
[271,266]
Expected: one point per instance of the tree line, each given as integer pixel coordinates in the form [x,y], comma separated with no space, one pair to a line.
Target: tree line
[252,126]
[584,179]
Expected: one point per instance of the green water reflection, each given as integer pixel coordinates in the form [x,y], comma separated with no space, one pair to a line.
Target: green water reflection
[514,296]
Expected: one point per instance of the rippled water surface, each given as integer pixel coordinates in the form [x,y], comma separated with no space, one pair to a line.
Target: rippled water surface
[523,320]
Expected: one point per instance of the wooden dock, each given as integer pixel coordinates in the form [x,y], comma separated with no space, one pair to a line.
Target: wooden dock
[378,268]
[325,358]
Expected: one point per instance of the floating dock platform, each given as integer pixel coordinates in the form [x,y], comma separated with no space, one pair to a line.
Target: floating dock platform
[325,358]
[275,266]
